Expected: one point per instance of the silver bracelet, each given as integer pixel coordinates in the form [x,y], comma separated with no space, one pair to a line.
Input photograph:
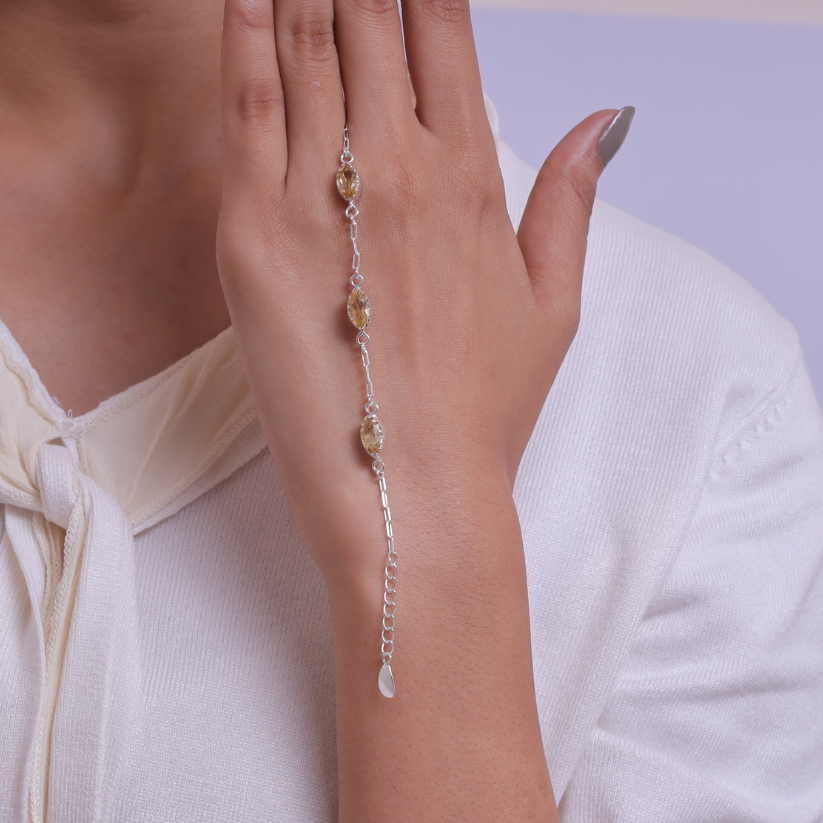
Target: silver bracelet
[371,434]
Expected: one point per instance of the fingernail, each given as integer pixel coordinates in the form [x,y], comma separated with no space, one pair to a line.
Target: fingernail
[612,138]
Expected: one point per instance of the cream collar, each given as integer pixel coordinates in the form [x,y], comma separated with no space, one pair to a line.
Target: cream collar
[154,447]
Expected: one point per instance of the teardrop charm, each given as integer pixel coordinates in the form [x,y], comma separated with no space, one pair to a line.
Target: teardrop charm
[359,309]
[385,681]
[348,181]
[371,435]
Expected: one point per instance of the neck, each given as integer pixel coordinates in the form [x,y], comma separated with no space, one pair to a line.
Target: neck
[144,56]
[110,179]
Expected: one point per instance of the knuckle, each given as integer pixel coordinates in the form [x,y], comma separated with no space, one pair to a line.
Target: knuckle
[258,99]
[572,324]
[236,249]
[245,246]
[475,195]
[251,14]
[566,315]
[312,35]
[403,187]
[479,183]
[493,205]
[377,8]
[582,186]
[450,11]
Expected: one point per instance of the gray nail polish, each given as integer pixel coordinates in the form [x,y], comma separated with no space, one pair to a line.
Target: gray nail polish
[612,138]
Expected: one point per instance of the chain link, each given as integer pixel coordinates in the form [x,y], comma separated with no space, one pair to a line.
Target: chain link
[378,467]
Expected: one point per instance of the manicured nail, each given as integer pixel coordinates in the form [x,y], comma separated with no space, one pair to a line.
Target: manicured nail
[612,138]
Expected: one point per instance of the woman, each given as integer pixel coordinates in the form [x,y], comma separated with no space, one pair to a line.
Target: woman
[170,650]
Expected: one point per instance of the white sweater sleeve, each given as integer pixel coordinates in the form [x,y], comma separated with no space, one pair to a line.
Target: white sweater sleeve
[716,715]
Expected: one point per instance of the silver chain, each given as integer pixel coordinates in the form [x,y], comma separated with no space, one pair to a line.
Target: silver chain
[349,191]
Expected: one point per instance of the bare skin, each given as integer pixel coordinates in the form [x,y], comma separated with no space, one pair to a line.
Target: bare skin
[110,183]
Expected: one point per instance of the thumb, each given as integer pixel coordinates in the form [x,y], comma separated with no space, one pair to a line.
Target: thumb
[555,224]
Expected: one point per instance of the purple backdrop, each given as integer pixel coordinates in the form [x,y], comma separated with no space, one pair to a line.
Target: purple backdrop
[725,150]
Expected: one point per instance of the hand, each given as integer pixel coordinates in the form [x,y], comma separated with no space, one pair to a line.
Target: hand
[470,322]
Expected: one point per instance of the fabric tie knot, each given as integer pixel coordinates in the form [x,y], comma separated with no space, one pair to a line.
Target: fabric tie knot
[57,476]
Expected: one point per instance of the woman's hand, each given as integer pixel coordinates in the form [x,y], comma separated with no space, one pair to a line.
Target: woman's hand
[470,324]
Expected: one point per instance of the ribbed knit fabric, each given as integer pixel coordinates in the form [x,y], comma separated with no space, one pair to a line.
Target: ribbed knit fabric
[671,500]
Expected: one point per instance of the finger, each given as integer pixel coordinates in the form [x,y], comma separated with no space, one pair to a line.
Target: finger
[304,31]
[253,112]
[373,63]
[554,229]
[443,66]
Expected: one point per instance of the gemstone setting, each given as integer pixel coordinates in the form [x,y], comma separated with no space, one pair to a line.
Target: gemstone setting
[371,435]
[359,309]
[385,681]
[348,181]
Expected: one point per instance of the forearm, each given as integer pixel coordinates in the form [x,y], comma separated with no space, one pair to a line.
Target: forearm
[460,741]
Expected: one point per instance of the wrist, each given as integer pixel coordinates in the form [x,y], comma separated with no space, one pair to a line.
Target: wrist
[461,556]
[435,520]
[462,640]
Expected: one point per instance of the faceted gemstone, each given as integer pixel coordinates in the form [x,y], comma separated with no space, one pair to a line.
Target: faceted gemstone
[359,309]
[385,681]
[371,435]
[348,181]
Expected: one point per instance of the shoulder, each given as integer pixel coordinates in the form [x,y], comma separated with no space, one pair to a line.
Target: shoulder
[703,335]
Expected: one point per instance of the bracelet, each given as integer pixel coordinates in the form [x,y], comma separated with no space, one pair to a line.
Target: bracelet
[371,433]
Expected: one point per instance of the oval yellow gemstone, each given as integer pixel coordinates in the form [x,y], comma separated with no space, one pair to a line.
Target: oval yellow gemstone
[359,309]
[348,181]
[371,435]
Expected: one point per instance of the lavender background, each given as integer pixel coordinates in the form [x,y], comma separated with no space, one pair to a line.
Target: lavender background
[726,149]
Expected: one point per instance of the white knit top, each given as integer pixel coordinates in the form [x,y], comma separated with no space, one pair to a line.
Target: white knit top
[168,658]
